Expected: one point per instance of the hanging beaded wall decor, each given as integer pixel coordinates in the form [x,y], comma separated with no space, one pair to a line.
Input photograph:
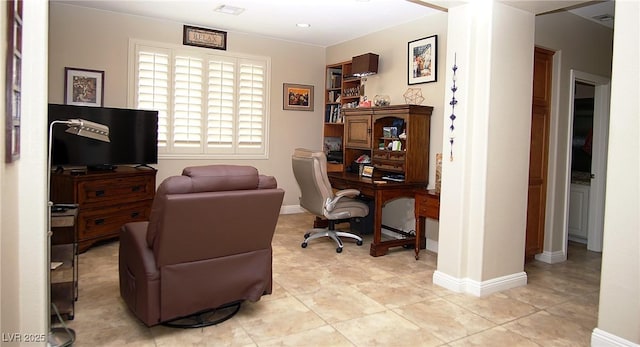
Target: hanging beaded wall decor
[453,103]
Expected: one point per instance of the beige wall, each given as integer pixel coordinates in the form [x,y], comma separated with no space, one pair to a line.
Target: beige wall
[580,45]
[85,38]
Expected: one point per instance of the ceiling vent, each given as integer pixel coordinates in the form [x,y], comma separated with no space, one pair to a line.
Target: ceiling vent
[603,17]
[364,65]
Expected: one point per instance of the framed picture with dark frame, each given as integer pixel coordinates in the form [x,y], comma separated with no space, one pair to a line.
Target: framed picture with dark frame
[298,97]
[367,171]
[422,60]
[207,38]
[13,82]
[83,87]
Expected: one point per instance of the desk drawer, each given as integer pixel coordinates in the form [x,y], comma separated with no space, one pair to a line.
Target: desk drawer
[427,206]
[123,189]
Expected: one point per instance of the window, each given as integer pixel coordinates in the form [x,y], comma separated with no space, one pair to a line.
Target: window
[209,105]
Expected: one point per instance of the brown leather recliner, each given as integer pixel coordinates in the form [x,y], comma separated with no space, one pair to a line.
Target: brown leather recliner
[207,243]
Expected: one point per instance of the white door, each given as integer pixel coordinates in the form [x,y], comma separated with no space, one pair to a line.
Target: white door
[595,223]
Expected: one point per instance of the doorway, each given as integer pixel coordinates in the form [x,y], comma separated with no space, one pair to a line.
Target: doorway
[587,147]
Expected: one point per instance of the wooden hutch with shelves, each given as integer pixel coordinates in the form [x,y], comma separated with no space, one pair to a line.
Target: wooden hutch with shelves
[369,130]
[342,91]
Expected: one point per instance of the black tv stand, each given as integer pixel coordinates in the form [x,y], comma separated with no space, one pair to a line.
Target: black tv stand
[103,167]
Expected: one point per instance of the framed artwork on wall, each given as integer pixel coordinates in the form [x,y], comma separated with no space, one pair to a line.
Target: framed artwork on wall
[13,83]
[83,87]
[207,38]
[422,58]
[297,97]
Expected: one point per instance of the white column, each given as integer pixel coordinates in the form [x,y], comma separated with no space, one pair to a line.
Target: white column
[485,171]
[619,307]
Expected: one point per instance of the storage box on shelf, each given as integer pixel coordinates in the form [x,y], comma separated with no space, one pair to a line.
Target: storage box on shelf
[106,200]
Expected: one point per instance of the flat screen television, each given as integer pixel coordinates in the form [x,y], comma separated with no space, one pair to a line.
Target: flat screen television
[133,135]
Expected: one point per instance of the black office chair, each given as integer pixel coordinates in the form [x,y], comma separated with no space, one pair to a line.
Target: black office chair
[310,170]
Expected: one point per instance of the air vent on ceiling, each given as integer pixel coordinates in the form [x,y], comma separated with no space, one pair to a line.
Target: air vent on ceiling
[603,17]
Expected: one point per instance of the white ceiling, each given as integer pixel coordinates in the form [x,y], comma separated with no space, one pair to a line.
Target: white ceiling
[332,21]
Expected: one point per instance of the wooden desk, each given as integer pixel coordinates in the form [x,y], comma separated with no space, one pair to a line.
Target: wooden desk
[381,193]
[427,206]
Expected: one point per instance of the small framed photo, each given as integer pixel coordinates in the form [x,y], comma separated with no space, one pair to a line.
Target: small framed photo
[367,171]
[207,38]
[298,97]
[83,87]
[423,60]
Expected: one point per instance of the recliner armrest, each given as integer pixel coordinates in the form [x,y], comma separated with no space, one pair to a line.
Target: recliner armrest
[330,204]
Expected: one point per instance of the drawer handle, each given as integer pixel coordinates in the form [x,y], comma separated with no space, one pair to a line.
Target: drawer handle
[136,188]
[99,221]
[135,214]
[99,192]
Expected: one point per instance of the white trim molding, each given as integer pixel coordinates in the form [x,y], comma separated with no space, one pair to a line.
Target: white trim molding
[291,209]
[601,338]
[484,288]
[552,257]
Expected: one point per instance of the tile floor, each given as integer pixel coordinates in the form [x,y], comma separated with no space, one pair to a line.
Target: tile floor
[321,298]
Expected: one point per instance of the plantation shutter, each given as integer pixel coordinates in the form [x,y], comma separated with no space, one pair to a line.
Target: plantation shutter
[153,88]
[251,106]
[221,104]
[188,104]
[208,105]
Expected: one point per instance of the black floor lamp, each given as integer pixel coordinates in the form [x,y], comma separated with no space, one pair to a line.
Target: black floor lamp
[65,336]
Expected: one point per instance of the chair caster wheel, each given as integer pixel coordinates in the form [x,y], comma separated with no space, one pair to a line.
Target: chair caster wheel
[339,250]
[303,245]
[307,235]
[359,243]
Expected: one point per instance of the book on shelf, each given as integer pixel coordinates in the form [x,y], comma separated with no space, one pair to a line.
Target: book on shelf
[336,80]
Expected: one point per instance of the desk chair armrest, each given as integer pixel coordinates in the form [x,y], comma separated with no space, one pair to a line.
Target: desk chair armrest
[330,204]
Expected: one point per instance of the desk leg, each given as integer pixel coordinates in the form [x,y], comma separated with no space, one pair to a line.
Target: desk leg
[420,230]
[376,250]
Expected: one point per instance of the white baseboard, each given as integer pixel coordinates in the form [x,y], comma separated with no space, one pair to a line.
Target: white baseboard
[454,284]
[291,209]
[467,285]
[601,338]
[432,245]
[552,257]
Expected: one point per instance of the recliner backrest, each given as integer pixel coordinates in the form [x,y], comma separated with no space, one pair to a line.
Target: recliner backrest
[212,211]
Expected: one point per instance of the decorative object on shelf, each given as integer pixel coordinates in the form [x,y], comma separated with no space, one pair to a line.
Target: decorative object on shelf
[65,336]
[83,87]
[364,102]
[389,132]
[381,100]
[13,84]
[367,170]
[297,97]
[423,60]
[403,136]
[453,103]
[413,96]
[207,38]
